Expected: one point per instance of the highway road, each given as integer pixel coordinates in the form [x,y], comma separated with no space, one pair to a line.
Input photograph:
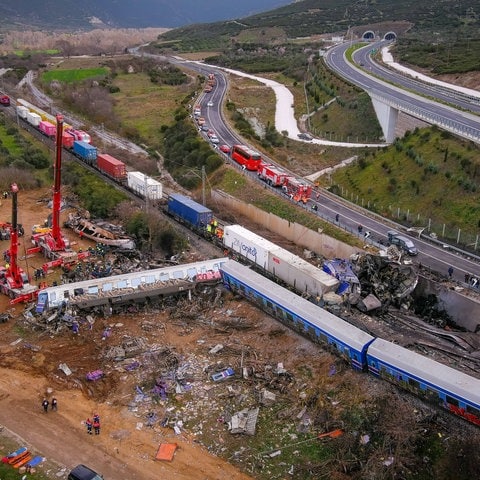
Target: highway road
[461,122]
[456,98]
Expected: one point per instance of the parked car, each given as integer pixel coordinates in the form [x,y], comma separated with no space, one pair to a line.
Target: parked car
[82,472]
[224,148]
[305,136]
[214,139]
[210,133]
[204,128]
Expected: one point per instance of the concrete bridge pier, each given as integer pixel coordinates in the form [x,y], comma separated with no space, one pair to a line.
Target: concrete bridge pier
[387,117]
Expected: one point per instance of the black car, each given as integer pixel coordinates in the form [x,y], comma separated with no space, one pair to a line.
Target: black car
[82,472]
[305,136]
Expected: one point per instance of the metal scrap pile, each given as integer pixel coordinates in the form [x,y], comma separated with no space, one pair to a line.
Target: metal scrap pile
[389,282]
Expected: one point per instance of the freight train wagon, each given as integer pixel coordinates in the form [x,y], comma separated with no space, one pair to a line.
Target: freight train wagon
[301,275]
[144,186]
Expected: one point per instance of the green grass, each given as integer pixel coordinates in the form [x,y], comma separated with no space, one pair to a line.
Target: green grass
[429,174]
[73,76]
[145,105]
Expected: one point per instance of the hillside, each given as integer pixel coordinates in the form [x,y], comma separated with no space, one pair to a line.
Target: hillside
[120,14]
[449,23]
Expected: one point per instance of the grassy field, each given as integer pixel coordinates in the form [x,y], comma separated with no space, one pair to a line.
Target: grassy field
[144,105]
[73,76]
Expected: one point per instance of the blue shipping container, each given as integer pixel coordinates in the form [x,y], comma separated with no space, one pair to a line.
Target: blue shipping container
[85,151]
[189,211]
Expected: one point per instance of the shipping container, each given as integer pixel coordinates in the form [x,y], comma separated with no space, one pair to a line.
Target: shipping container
[248,244]
[304,277]
[79,135]
[189,211]
[47,128]
[111,166]
[34,119]
[85,151]
[22,111]
[139,183]
[67,139]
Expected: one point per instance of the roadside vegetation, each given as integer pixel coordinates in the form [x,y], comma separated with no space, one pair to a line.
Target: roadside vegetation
[427,179]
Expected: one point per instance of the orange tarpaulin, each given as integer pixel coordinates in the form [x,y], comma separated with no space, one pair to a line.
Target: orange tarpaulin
[166,451]
[332,434]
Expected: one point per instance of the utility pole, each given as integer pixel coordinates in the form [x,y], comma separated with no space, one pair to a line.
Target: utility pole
[203,185]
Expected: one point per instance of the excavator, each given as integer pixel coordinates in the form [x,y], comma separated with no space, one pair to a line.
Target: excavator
[14,282]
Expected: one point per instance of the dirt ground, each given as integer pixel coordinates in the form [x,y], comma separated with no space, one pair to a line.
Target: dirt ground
[193,413]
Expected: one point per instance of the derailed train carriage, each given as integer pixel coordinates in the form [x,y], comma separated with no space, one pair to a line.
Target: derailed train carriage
[430,380]
[135,287]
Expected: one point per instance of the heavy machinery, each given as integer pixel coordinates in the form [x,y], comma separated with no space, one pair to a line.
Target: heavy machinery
[14,282]
[50,241]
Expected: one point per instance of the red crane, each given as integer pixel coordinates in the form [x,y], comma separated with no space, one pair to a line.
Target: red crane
[14,272]
[14,281]
[52,242]
[57,198]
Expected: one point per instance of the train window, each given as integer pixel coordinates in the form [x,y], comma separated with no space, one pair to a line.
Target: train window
[164,277]
[149,279]
[242,288]
[473,411]
[191,272]
[53,296]
[136,282]
[289,316]
[413,383]
[178,274]
[452,401]
[107,287]
[269,305]
[93,289]
[122,284]
[66,294]
[78,291]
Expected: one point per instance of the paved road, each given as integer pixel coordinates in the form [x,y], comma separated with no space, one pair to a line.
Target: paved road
[463,123]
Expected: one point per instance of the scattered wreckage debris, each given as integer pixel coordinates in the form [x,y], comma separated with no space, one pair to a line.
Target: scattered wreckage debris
[244,421]
[100,232]
[386,281]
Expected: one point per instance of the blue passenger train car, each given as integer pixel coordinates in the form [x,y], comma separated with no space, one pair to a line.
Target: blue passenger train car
[453,390]
[298,313]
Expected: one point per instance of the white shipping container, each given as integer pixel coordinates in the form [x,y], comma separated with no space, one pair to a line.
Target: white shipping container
[248,244]
[34,119]
[22,111]
[300,274]
[139,182]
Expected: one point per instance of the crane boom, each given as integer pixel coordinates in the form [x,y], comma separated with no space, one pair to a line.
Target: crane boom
[57,199]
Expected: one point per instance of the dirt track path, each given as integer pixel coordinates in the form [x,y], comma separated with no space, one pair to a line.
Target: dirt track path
[120,452]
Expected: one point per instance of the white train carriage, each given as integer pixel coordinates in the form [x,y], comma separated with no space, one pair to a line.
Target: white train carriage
[299,314]
[301,275]
[451,389]
[136,286]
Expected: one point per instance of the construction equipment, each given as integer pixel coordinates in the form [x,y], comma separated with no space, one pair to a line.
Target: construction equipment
[14,282]
[51,241]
